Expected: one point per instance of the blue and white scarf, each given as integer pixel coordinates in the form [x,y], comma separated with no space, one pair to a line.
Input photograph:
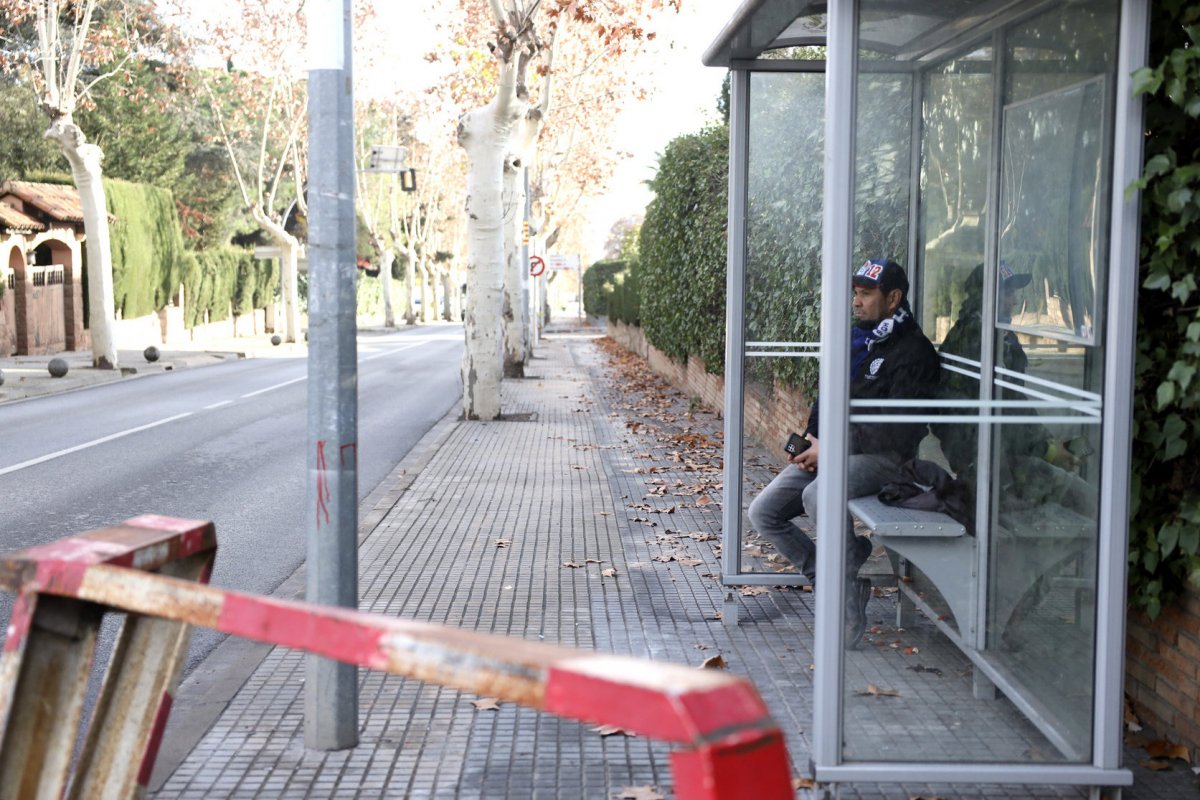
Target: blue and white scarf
[863,339]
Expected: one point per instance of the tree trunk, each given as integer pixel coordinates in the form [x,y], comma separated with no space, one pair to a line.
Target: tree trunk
[410,280]
[447,287]
[484,134]
[515,334]
[289,267]
[86,171]
[385,281]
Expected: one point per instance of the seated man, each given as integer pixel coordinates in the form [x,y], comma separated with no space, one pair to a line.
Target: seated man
[890,358]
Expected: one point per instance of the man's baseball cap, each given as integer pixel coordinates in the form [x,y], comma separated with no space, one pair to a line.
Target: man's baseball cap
[1010,280]
[884,273]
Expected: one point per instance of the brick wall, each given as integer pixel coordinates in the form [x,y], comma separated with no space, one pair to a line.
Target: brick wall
[1162,670]
[770,413]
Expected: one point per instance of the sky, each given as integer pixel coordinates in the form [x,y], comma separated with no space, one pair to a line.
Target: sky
[685,100]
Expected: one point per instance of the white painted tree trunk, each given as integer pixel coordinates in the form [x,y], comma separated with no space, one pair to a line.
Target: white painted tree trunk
[515,321]
[410,287]
[428,295]
[385,280]
[484,133]
[289,267]
[87,173]
[447,296]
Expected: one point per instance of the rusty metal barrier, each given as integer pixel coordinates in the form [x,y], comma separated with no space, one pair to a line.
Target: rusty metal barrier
[156,569]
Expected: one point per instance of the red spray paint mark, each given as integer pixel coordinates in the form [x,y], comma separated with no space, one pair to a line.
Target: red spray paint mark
[353,448]
[322,484]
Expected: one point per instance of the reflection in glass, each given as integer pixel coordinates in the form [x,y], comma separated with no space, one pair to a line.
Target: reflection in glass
[956,120]
[1053,145]
[782,281]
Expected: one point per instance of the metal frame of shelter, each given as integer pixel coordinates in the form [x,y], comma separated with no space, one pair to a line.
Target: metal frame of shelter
[759,26]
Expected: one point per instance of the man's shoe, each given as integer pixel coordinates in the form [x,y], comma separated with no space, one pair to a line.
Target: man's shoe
[857,595]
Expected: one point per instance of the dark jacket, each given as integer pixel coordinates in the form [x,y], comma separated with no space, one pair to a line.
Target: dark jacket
[902,367]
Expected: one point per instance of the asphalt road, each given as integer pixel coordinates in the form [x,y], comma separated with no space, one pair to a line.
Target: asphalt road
[225,443]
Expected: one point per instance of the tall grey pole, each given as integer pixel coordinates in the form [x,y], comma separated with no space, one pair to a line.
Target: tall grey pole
[331,689]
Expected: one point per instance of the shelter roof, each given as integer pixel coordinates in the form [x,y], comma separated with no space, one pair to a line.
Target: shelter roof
[907,30]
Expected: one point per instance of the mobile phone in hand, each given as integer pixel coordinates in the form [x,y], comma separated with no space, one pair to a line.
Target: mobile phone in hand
[796,444]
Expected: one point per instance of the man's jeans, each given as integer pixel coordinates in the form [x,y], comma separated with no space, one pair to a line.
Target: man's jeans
[794,492]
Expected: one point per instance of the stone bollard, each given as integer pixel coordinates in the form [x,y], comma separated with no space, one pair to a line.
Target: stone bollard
[151,354]
[57,367]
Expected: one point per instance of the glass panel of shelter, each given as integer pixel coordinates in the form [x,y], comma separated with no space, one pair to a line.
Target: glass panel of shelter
[1009,266]
[784,185]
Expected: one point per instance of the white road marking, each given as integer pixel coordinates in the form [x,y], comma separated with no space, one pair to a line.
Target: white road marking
[218,405]
[276,386]
[42,459]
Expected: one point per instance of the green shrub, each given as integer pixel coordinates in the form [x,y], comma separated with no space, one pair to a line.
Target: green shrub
[1164,553]
[597,285]
[218,281]
[682,249]
[147,247]
[624,295]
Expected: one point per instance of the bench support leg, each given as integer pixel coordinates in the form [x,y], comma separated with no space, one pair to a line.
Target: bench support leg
[1104,793]
[906,610]
[982,687]
[730,608]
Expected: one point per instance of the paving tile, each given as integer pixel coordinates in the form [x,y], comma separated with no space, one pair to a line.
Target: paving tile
[561,488]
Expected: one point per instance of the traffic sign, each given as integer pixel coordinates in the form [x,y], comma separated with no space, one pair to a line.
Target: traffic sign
[536,266]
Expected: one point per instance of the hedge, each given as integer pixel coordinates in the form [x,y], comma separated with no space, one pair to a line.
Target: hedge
[624,295]
[147,247]
[597,286]
[218,281]
[681,264]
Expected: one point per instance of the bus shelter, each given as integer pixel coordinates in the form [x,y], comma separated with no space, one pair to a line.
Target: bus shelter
[985,145]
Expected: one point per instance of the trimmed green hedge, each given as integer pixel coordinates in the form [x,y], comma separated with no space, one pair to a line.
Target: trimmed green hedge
[216,281]
[597,286]
[147,247]
[681,270]
[624,296]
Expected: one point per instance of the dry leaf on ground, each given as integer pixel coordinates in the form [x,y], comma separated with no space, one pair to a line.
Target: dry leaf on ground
[690,562]
[714,662]
[1161,748]
[639,793]
[876,691]
[594,561]
[1156,764]
[803,783]
[752,591]
[572,564]
[610,572]
[611,730]
[503,542]
[663,557]
[486,704]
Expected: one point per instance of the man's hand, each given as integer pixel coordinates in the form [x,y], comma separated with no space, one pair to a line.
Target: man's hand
[807,460]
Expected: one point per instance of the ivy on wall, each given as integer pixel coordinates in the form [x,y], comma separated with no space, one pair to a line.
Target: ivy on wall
[1164,554]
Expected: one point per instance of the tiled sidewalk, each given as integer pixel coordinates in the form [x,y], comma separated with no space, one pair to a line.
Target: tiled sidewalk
[569,482]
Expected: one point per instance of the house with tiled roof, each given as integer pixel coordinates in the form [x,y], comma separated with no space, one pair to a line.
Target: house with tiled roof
[41,269]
